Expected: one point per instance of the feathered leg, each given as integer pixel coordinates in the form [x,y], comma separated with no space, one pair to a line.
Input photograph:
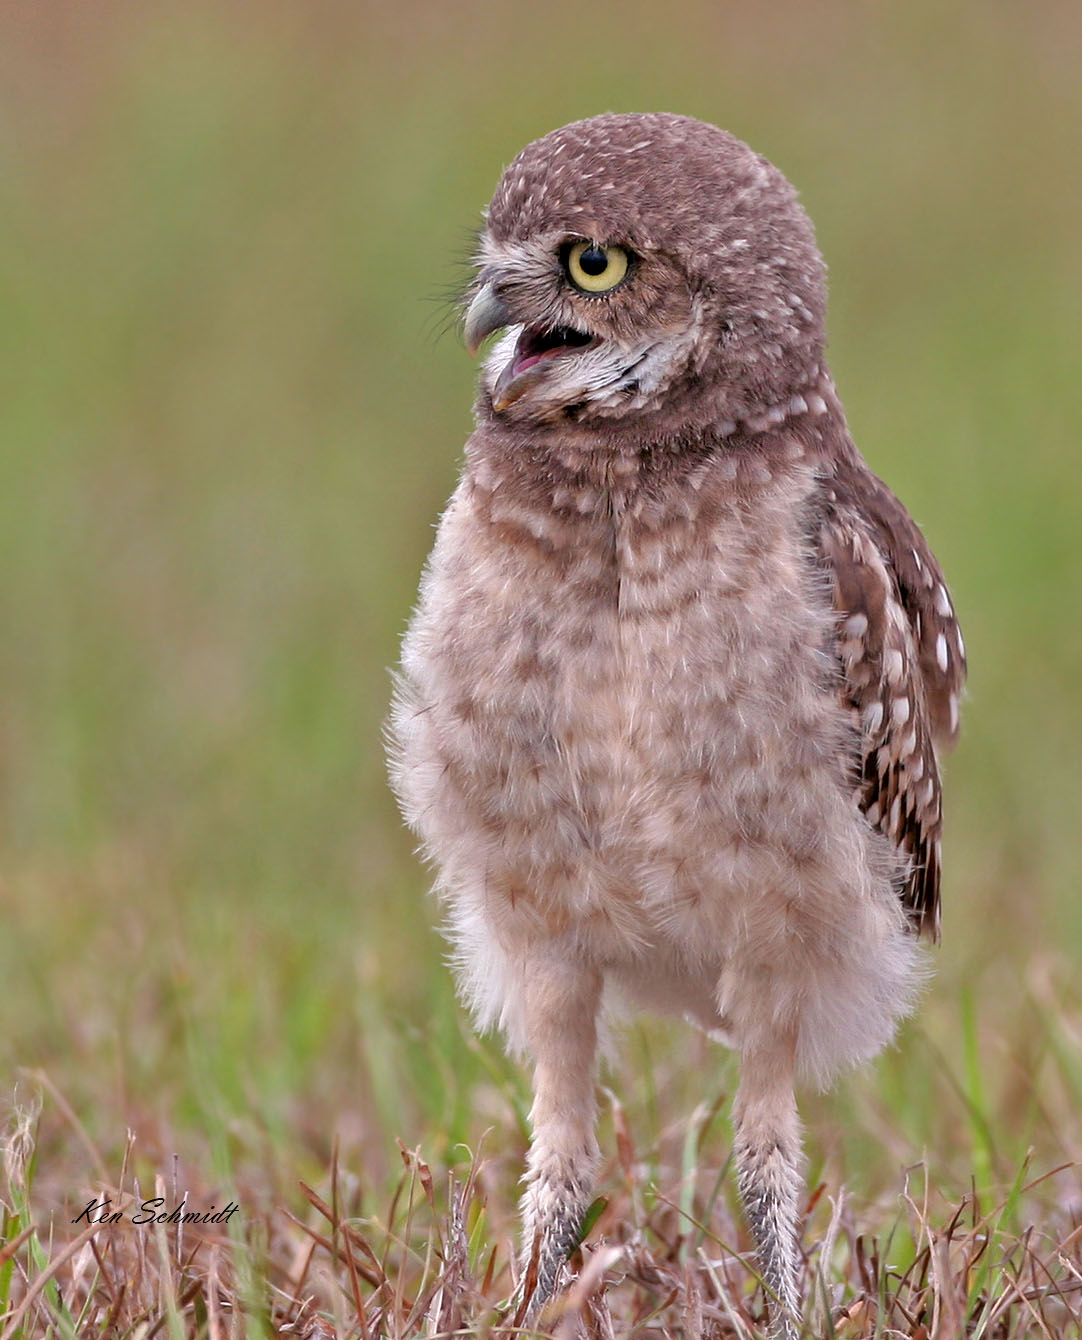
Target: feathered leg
[561,1002]
[768,1162]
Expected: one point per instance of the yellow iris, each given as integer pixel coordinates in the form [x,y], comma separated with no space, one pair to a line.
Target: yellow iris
[595,269]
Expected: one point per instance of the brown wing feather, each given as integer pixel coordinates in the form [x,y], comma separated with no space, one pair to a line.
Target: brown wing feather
[903,664]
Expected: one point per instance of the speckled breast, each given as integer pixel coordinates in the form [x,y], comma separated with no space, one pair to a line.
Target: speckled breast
[619,707]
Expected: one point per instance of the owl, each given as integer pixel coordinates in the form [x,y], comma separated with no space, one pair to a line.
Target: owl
[670,708]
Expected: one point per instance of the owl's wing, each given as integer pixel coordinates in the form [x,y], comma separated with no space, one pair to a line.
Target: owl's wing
[903,666]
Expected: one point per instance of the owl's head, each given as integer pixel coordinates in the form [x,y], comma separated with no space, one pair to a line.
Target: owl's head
[649,268]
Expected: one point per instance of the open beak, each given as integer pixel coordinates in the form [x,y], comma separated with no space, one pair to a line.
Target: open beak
[535,348]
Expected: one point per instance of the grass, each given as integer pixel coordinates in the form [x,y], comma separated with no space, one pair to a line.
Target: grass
[665,1254]
[226,426]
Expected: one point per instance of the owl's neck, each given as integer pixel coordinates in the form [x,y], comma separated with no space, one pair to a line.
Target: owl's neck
[590,466]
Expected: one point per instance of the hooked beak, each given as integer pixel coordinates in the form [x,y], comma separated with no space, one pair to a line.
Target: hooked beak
[488,312]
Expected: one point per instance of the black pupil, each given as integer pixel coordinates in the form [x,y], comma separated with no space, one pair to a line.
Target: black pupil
[594,261]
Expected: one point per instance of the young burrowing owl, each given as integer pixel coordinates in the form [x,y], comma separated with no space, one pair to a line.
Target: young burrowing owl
[669,706]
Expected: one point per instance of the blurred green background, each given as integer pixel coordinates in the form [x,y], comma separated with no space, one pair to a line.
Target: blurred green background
[228,420]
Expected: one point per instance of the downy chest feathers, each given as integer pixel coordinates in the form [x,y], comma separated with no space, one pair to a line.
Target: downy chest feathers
[604,675]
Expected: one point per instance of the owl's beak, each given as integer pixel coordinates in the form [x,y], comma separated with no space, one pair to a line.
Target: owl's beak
[534,351]
[487,312]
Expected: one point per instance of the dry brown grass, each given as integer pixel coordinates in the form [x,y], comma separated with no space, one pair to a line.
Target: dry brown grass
[665,1257]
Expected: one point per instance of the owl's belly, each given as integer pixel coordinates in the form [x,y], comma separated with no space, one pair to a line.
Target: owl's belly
[633,759]
[630,796]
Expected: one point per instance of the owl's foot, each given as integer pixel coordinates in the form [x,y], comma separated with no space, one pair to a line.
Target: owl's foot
[547,1248]
[768,1160]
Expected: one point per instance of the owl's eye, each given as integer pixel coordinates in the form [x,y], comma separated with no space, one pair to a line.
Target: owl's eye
[595,269]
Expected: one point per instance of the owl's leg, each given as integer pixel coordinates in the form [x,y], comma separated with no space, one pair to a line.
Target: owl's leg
[561,999]
[768,1162]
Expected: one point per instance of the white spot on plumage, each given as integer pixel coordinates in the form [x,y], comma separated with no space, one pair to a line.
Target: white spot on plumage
[941,653]
[894,665]
[899,711]
[943,602]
